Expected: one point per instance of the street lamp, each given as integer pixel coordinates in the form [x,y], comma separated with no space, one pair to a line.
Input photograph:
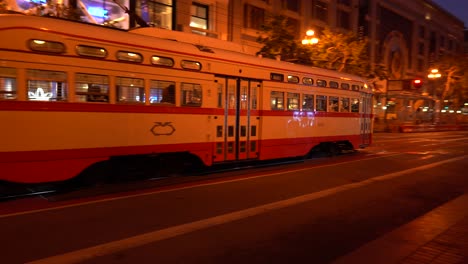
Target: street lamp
[309,38]
[434,75]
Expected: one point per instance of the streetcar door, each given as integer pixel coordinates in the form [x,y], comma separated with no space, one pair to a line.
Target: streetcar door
[237,129]
[366,119]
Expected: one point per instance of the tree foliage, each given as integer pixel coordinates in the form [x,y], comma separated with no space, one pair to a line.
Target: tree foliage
[343,52]
[454,78]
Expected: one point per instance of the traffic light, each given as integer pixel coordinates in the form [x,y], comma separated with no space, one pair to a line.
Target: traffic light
[417,83]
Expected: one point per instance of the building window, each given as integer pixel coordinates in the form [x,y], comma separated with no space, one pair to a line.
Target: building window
[199,18]
[157,13]
[343,19]
[254,17]
[320,10]
[292,5]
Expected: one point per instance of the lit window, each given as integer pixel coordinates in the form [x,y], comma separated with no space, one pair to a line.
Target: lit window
[322,83]
[162,92]
[277,100]
[293,101]
[91,51]
[129,56]
[333,103]
[162,61]
[199,17]
[354,105]
[308,102]
[190,65]
[46,46]
[293,79]
[91,87]
[130,90]
[7,83]
[191,94]
[46,85]
[321,103]
[307,81]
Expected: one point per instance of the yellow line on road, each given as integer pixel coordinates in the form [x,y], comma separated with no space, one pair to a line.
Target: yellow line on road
[158,235]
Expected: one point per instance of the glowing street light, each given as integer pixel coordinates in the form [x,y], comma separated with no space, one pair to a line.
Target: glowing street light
[434,74]
[310,39]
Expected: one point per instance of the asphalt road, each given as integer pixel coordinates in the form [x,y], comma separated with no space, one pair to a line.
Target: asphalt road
[309,212]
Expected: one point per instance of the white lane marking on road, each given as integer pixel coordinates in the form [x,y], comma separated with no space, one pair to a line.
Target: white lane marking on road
[158,235]
[188,187]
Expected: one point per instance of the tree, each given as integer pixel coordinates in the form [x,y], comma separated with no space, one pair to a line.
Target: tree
[280,42]
[343,52]
[455,78]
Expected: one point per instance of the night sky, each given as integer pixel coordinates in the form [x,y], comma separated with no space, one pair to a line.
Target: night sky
[458,8]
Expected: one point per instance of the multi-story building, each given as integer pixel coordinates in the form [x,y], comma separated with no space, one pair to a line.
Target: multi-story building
[405,36]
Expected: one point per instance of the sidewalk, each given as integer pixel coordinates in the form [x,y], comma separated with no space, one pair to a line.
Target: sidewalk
[439,237]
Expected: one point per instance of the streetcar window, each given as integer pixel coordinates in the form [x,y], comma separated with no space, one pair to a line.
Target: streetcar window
[293,79]
[277,100]
[253,131]
[321,103]
[162,92]
[344,105]
[345,86]
[355,87]
[220,93]
[191,94]
[277,77]
[293,101]
[7,83]
[91,51]
[253,97]
[333,102]
[354,105]
[91,88]
[46,85]
[334,84]
[162,61]
[130,90]
[321,83]
[46,46]
[129,56]
[308,102]
[307,81]
[190,65]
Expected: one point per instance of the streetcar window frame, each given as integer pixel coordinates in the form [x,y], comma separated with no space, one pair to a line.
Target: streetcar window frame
[277,100]
[321,103]
[162,92]
[191,94]
[191,65]
[47,46]
[162,61]
[308,102]
[333,104]
[131,86]
[293,79]
[8,91]
[129,56]
[321,83]
[293,100]
[334,84]
[91,51]
[277,77]
[308,81]
[96,90]
[49,85]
